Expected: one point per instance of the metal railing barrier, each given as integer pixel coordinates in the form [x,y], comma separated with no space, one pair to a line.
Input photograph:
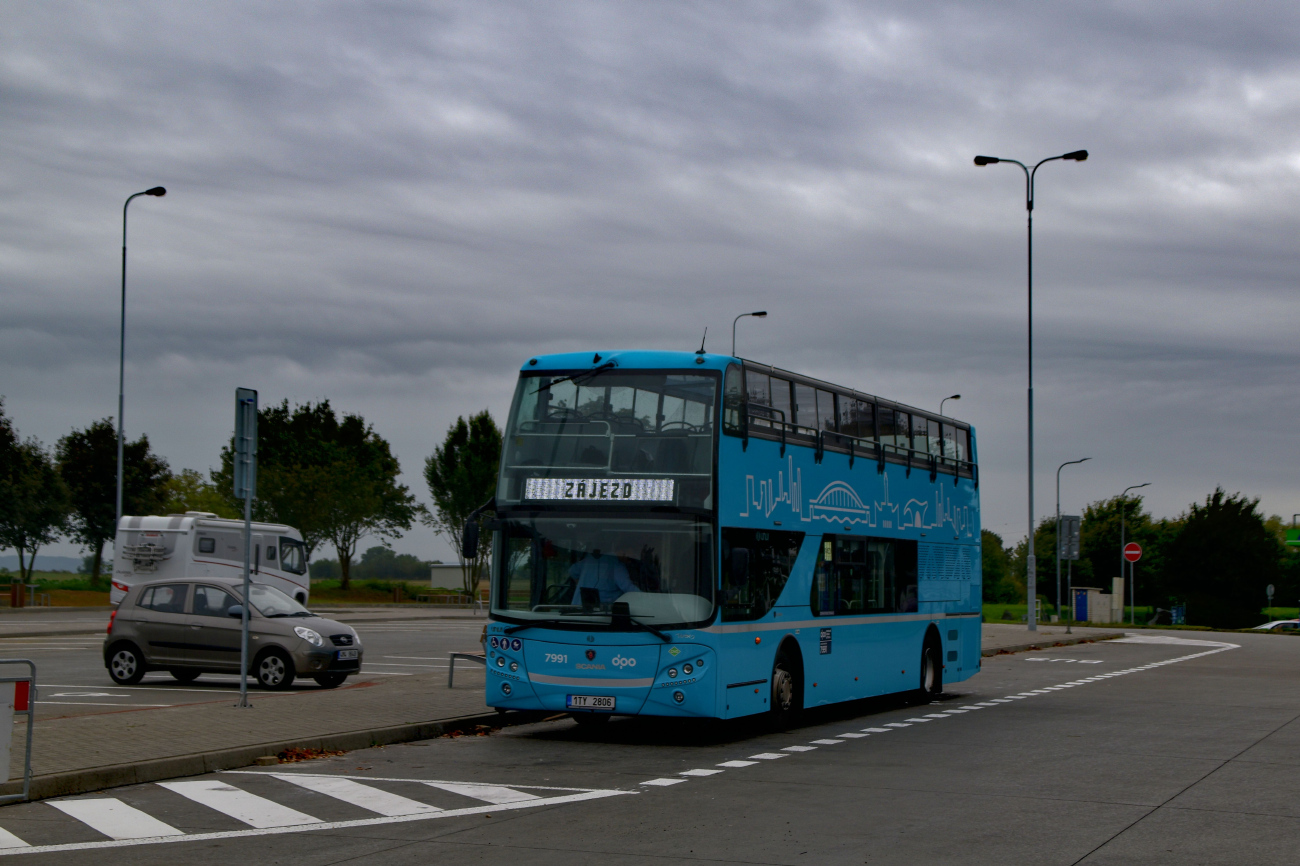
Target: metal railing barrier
[21,700]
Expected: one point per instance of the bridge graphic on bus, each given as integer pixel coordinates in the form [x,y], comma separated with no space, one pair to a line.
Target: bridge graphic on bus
[839,503]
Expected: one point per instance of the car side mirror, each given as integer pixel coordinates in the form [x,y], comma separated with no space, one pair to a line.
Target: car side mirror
[235,610]
[739,565]
[469,540]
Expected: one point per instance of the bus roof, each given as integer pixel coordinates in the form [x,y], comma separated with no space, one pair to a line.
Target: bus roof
[644,359]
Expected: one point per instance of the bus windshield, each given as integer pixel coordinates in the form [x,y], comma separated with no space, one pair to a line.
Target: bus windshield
[610,436]
[576,568]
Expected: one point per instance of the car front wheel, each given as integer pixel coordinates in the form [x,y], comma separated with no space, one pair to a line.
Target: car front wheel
[330,681]
[274,670]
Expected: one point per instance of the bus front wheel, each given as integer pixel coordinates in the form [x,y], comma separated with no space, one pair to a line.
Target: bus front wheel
[931,670]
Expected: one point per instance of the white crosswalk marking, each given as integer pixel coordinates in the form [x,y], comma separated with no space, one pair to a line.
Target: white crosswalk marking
[9,840]
[115,819]
[494,794]
[253,810]
[364,796]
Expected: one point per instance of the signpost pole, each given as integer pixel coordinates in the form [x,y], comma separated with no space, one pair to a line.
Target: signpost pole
[245,488]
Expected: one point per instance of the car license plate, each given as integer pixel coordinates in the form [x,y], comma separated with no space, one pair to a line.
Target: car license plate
[347,654]
[591,702]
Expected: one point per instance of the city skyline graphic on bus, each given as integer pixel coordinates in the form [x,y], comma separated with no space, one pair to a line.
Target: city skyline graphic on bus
[839,503]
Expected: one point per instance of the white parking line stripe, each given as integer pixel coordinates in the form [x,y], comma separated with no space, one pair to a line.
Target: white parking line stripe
[737,764]
[306,828]
[799,749]
[973,707]
[100,704]
[663,783]
[495,794]
[9,840]
[253,810]
[700,772]
[826,742]
[363,796]
[896,725]
[936,716]
[877,730]
[768,756]
[115,819]
[918,720]
[852,736]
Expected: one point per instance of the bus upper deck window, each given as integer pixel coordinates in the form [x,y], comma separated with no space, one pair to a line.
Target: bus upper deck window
[733,400]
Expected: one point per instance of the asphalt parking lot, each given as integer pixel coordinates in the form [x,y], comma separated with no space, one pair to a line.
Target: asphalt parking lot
[73,681]
[1114,752]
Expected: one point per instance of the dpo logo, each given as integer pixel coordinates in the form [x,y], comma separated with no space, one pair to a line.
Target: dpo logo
[621,662]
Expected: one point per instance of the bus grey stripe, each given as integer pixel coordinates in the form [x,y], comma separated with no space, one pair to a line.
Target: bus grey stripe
[597,684]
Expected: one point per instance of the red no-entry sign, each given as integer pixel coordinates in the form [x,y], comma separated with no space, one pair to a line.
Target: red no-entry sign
[1132,551]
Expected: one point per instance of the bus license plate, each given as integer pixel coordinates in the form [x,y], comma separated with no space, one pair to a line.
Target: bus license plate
[344,655]
[591,702]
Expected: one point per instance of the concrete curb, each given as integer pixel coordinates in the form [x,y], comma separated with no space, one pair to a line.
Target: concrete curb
[198,763]
[66,632]
[1047,644]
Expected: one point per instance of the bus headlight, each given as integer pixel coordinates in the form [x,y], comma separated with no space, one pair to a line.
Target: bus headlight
[687,669]
[678,697]
[672,673]
[505,688]
[514,666]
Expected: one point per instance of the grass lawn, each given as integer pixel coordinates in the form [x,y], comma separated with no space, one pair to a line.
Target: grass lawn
[65,589]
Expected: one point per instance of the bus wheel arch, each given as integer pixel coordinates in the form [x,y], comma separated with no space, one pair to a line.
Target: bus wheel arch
[931,679]
[787,683]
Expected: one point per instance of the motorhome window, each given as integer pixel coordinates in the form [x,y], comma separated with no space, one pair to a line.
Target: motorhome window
[165,599]
[858,575]
[207,545]
[270,553]
[756,564]
[856,418]
[805,405]
[825,410]
[293,558]
[210,601]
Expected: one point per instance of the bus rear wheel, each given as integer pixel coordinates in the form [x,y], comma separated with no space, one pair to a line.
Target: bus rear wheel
[931,670]
[787,690]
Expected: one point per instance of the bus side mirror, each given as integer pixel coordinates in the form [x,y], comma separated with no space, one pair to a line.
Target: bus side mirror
[739,566]
[469,540]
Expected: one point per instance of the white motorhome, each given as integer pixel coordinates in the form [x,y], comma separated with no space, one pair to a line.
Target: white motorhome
[200,544]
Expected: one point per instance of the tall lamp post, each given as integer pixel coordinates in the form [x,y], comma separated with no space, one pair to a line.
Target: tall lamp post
[1031,566]
[1058,532]
[946,399]
[761,314]
[121,354]
[1122,502]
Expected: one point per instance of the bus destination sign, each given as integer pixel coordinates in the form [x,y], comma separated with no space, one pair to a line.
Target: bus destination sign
[600,489]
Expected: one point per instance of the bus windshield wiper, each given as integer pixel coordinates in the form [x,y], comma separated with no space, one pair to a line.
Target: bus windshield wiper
[648,627]
[579,378]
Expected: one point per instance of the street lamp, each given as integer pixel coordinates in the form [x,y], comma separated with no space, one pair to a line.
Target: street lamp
[761,314]
[1131,613]
[121,354]
[946,399]
[1031,576]
[1058,534]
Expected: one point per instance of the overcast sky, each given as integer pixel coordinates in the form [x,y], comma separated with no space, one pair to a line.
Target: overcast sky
[394,205]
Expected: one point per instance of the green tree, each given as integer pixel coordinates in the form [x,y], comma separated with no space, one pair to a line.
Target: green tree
[1000,586]
[88,465]
[382,563]
[462,475]
[1221,560]
[35,502]
[333,479]
[190,491]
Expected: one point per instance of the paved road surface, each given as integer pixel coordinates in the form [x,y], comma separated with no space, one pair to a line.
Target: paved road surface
[72,680]
[1109,753]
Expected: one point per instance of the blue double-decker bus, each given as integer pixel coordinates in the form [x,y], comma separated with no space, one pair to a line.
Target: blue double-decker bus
[698,535]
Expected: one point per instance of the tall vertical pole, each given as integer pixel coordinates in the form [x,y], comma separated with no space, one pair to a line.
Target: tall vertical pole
[121,378]
[1058,541]
[1031,576]
[243,637]
[1122,502]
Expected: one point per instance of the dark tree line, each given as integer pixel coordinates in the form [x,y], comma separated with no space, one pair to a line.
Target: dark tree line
[1217,558]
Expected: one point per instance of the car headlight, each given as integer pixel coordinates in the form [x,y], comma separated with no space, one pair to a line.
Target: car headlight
[310,635]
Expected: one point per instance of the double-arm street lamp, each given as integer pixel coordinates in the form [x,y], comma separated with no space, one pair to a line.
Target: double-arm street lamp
[1058,535]
[1031,578]
[761,314]
[121,354]
[1122,502]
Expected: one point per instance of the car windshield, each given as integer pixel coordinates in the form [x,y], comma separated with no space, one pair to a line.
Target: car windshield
[576,569]
[620,436]
[270,602]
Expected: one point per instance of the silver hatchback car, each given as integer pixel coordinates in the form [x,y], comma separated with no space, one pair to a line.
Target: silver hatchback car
[191,627]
